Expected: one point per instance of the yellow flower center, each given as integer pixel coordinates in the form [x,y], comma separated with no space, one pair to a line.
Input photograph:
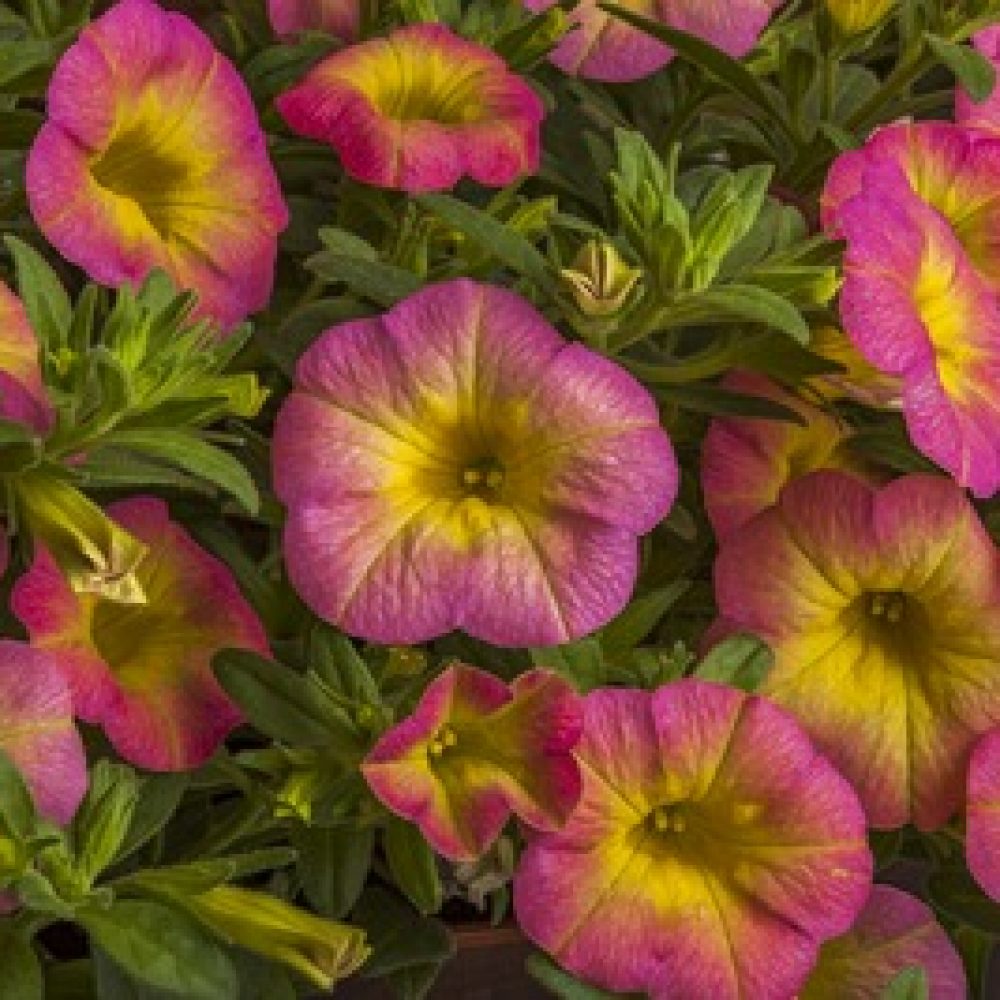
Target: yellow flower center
[889,607]
[483,478]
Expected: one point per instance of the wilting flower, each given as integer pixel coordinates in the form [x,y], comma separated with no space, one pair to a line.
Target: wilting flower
[152,156]
[476,750]
[855,16]
[340,18]
[746,461]
[37,731]
[712,852]
[600,280]
[982,816]
[22,394]
[419,109]
[883,612]
[919,207]
[324,951]
[455,464]
[895,932]
[142,670]
[603,47]
[982,114]
[859,380]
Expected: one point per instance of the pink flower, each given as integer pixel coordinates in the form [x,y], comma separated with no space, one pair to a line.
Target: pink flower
[37,731]
[894,932]
[455,464]
[340,18]
[474,751]
[152,156]
[745,462]
[602,47]
[919,207]
[22,394]
[712,852]
[882,609]
[418,110]
[142,671]
[982,818]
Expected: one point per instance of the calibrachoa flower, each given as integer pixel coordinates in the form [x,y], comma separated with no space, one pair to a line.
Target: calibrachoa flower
[455,464]
[419,109]
[919,207]
[982,817]
[602,47]
[883,611]
[854,16]
[22,394]
[142,671]
[894,932]
[340,18]
[37,731]
[152,156]
[712,852]
[985,114]
[745,462]
[474,751]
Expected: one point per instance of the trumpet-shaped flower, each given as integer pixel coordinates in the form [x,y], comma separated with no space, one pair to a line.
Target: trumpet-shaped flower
[340,18]
[37,731]
[894,932]
[982,816]
[982,114]
[476,750]
[152,156]
[712,852]
[22,394]
[745,462]
[882,609]
[455,464]
[419,109]
[602,47]
[142,670]
[919,207]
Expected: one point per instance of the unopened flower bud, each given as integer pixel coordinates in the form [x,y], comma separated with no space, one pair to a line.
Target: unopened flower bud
[599,279]
[855,16]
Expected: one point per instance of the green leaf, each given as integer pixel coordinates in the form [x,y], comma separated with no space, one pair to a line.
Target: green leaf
[972,69]
[159,797]
[749,304]
[159,945]
[103,820]
[490,234]
[398,936]
[581,663]
[333,865]
[45,300]
[384,284]
[956,893]
[281,703]
[333,656]
[18,128]
[640,618]
[21,975]
[741,661]
[910,984]
[17,812]
[25,65]
[413,865]
[561,984]
[191,454]
[713,399]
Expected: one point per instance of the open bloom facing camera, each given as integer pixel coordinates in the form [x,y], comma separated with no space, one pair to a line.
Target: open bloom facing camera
[455,464]
[152,156]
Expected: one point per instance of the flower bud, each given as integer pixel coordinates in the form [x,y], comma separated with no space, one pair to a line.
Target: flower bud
[599,279]
[323,951]
[855,16]
[96,555]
